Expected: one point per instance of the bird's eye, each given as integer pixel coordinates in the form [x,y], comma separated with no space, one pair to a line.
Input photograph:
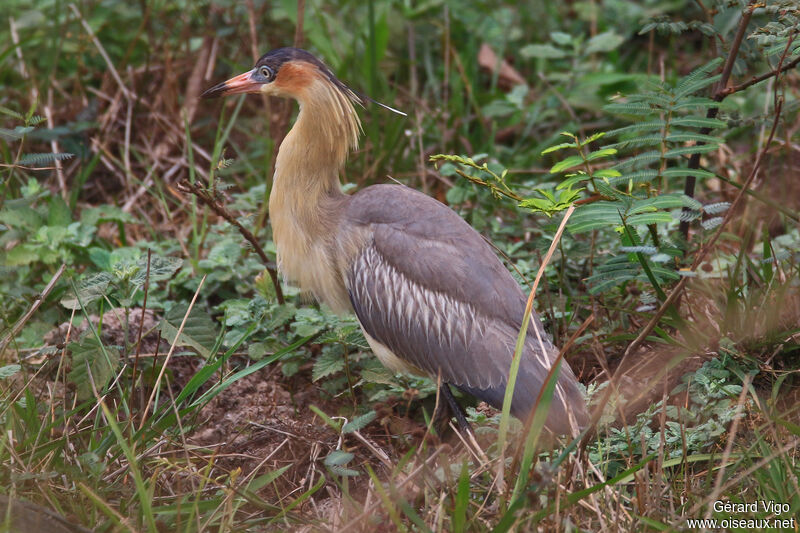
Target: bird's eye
[265,71]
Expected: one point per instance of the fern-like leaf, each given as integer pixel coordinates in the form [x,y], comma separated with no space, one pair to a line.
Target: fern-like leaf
[43,158]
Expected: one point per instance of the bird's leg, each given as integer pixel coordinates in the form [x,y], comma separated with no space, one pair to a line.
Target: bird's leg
[453,406]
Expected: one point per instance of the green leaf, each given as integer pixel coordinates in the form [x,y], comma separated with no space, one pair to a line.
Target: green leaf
[22,217]
[161,268]
[89,289]
[59,213]
[662,201]
[595,216]
[200,331]
[266,479]
[359,422]
[559,147]
[106,213]
[21,255]
[606,173]
[565,164]
[100,257]
[658,217]
[545,51]
[592,138]
[604,42]
[11,113]
[37,159]
[335,461]
[338,458]
[630,108]
[682,172]
[329,362]
[603,152]
[92,363]
[462,500]
[9,370]
[639,159]
[307,322]
[561,38]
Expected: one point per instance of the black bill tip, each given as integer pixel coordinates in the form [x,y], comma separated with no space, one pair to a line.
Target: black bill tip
[216,91]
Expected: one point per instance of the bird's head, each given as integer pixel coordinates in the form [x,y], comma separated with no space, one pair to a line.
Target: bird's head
[290,73]
[285,72]
[294,73]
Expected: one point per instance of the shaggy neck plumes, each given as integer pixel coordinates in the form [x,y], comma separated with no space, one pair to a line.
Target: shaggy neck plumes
[315,150]
[306,202]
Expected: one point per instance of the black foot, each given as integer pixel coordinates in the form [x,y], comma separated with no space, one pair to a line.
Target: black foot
[448,406]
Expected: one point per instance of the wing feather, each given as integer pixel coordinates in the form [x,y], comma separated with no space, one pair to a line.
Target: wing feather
[431,290]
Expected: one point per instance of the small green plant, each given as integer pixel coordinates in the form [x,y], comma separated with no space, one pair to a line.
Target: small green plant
[711,394]
[547,203]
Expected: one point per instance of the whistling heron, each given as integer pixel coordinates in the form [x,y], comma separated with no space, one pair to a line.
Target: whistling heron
[430,294]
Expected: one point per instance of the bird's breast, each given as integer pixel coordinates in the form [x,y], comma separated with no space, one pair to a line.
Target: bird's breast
[307,258]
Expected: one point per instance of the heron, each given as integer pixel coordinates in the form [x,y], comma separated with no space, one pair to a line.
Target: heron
[431,296]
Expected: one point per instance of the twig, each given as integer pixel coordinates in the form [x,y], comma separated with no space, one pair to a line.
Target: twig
[707,247]
[681,286]
[220,210]
[758,79]
[175,343]
[298,29]
[515,363]
[694,161]
[726,454]
[128,94]
[561,353]
[34,306]
[141,318]
[48,113]
[425,464]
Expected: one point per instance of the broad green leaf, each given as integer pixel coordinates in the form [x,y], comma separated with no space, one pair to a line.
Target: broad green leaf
[92,363]
[106,213]
[200,331]
[23,217]
[606,173]
[329,362]
[545,51]
[59,213]
[22,254]
[565,164]
[90,289]
[603,152]
[9,370]
[561,38]
[604,42]
[161,268]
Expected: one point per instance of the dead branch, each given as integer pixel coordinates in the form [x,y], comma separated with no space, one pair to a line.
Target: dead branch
[205,197]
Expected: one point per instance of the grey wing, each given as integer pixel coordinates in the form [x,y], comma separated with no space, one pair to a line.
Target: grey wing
[430,330]
[431,290]
[441,335]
